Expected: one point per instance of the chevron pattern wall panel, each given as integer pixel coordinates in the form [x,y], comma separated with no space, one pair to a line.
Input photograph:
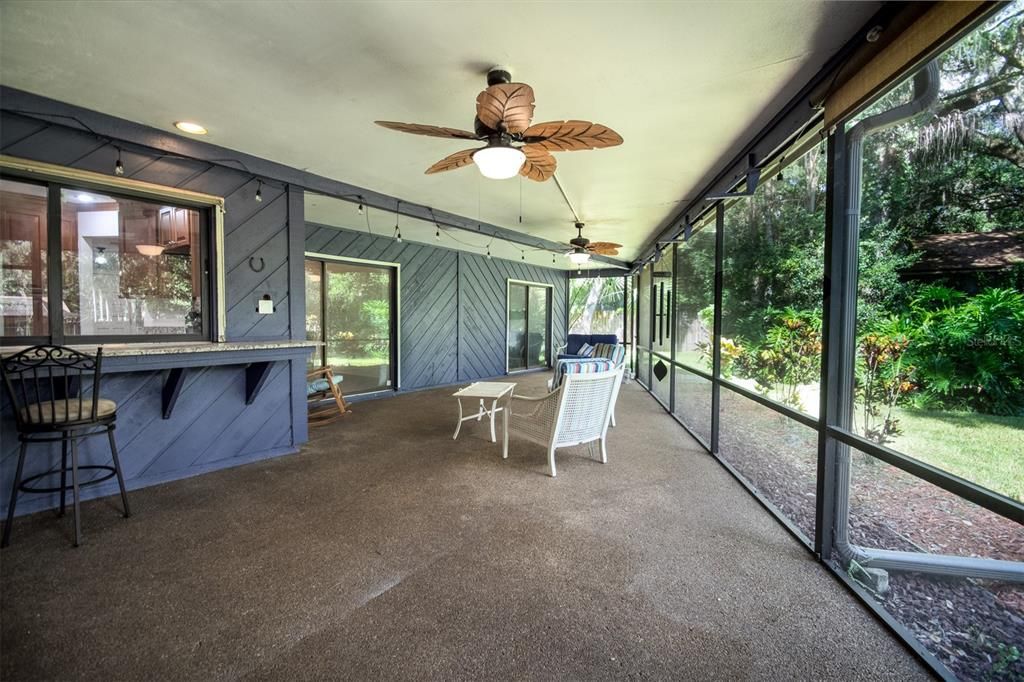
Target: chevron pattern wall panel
[211,426]
[453,304]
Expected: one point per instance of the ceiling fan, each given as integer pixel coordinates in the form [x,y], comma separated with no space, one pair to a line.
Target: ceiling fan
[582,248]
[503,115]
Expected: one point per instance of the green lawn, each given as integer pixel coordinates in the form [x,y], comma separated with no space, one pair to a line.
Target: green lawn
[985,449]
[693,358]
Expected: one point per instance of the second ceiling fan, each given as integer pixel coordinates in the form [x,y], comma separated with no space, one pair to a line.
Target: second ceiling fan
[504,112]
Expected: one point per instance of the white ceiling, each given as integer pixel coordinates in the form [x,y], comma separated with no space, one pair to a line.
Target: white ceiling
[684,83]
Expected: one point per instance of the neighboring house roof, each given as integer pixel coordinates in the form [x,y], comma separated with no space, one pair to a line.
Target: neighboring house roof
[967,252]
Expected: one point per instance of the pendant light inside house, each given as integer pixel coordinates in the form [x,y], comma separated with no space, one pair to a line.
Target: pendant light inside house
[149,249]
[499,162]
[101,258]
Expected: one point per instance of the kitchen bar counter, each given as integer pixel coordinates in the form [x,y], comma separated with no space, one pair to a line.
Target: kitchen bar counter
[111,350]
[256,357]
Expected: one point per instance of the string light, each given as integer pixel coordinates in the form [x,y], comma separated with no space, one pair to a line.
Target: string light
[259,191]
[437,233]
[360,209]
[398,231]
[118,166]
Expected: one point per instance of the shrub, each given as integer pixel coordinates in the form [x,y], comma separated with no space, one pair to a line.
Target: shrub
[731,351]
[788,357]
[883,377]
[969,351]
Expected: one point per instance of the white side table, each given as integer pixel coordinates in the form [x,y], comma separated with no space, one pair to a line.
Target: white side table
[492,391]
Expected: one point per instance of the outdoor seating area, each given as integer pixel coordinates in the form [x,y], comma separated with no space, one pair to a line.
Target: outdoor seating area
[564,341]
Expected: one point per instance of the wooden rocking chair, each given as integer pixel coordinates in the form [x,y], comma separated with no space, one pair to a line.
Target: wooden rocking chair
[321,384]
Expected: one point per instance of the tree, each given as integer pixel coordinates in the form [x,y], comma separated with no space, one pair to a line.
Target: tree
[595,305]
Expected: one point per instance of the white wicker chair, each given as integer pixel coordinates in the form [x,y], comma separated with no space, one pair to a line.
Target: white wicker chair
[576,412]
[567,366]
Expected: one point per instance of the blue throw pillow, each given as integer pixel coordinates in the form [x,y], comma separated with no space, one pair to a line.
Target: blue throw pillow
[586,350]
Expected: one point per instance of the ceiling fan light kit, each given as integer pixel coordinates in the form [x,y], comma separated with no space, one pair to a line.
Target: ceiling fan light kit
[579,256]
[499,162]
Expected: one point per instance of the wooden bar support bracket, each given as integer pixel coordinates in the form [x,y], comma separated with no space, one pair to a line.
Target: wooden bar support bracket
[172,388]
[256,375]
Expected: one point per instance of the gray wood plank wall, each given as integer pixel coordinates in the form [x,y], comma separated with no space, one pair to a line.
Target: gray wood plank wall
[211,427]
[453,303]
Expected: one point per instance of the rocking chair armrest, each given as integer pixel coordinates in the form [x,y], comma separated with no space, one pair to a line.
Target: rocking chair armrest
[319,372]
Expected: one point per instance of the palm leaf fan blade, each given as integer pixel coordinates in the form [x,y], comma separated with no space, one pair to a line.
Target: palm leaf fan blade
[506,106]
[453,161]
[540,165]
[570,136]
[428,130]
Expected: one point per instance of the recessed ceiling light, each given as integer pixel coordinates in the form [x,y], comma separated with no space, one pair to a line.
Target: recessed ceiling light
[190,127]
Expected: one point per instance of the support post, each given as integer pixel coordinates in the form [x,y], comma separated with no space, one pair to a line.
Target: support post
[672,330]
[837,351]
[716,349]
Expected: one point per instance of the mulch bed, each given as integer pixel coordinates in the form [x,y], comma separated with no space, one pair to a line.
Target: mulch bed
[970,625]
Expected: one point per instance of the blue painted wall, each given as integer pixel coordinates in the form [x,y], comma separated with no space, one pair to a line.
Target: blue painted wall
[453,307]
[211,426]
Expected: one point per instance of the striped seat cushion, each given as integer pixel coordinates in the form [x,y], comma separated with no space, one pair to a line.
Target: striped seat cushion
[320,385]
[581,366]
[586,351]
[615,352]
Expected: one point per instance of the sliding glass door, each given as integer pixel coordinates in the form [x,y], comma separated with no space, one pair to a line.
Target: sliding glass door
[350,309]
[529,326]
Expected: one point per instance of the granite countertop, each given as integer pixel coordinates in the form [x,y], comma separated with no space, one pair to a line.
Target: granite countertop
[176,347]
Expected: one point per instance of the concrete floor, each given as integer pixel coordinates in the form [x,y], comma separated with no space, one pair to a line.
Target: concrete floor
[385,550]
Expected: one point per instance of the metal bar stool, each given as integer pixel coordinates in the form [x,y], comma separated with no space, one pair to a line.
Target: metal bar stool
[45,385]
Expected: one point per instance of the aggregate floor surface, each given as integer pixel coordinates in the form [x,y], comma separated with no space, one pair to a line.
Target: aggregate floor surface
[384,550]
